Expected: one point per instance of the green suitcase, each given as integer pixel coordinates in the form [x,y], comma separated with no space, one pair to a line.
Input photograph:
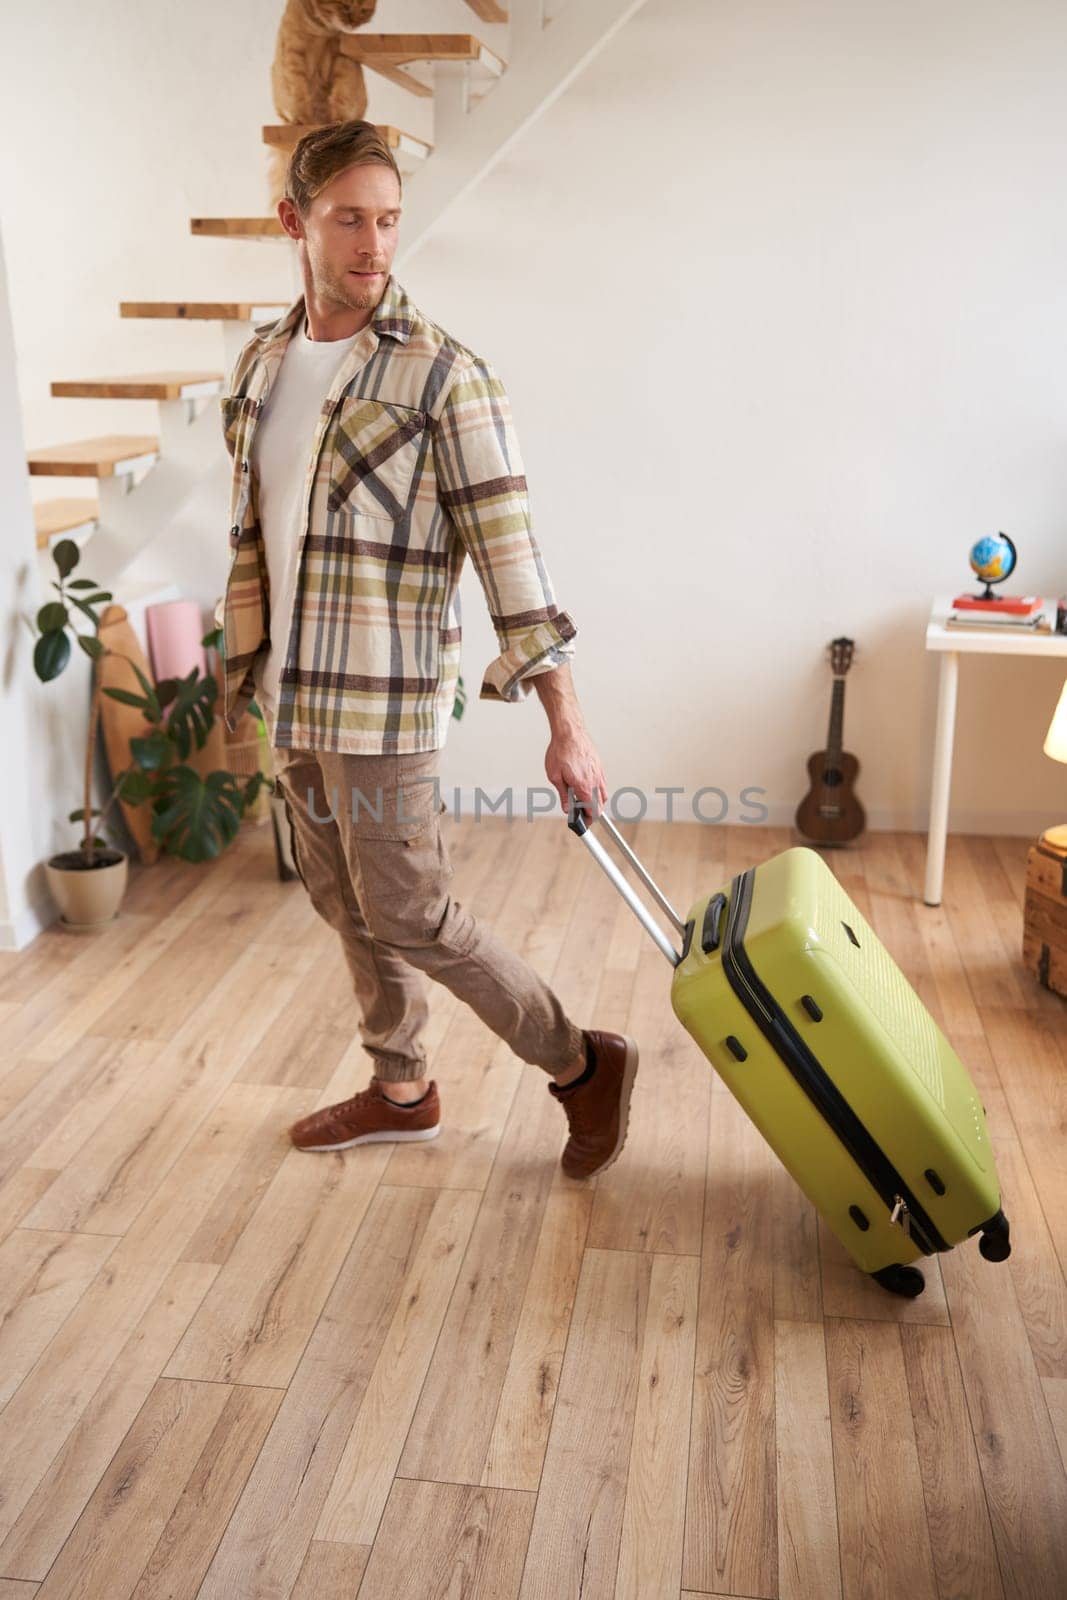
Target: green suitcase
[817,1032]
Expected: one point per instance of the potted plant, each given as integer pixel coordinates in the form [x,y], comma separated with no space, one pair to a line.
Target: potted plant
[193,817]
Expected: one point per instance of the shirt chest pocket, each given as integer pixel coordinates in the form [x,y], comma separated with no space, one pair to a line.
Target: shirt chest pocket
[375,451]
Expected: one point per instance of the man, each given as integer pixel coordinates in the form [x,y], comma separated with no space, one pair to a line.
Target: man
[372,454]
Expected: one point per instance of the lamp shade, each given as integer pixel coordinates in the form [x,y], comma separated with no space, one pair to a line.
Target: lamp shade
[1056,740]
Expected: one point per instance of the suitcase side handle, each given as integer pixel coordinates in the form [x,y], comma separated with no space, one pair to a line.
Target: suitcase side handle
[583,826]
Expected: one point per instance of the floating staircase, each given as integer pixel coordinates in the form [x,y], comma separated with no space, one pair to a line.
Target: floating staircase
[394,54]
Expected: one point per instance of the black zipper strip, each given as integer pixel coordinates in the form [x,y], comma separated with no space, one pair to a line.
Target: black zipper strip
[810,1075]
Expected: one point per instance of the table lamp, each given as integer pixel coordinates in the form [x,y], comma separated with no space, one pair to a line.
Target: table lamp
[1056,746]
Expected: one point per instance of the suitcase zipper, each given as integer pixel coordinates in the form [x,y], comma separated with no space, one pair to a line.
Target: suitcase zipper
[824,1095]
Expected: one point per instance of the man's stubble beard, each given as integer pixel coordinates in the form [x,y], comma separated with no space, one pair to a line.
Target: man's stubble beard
[327,287]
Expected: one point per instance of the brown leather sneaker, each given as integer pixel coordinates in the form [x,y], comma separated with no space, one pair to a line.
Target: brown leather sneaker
[368,1118]
[599,1111]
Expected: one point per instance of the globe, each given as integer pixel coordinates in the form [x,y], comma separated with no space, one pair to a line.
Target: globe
[993,559]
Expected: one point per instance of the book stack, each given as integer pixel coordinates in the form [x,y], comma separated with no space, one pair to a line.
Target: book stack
[1010,613]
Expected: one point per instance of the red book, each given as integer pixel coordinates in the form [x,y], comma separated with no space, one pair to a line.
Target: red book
[1012,605]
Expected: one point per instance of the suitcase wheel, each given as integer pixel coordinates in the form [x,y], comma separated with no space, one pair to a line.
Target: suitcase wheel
[995,1243]
[906,1281]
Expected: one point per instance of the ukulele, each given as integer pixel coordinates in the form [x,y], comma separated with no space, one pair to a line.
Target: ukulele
[830,813]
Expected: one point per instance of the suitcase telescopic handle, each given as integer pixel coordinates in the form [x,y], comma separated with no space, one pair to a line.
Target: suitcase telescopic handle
[582,825]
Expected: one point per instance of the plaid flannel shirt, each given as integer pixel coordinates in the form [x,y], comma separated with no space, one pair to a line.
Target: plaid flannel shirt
[414,466]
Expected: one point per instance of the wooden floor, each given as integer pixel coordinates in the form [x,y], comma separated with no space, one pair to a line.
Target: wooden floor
[231,1369]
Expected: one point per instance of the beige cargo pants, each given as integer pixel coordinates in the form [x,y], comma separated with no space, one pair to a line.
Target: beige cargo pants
[367,842]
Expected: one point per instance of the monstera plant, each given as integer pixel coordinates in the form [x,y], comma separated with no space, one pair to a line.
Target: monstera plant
[193,817]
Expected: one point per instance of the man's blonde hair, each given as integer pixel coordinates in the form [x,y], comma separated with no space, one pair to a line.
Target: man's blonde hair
[322,154]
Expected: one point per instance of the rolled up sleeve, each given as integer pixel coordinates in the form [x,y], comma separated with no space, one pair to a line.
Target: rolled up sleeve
[482,488]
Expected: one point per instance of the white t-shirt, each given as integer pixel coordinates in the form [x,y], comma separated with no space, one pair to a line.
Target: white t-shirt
[280,449]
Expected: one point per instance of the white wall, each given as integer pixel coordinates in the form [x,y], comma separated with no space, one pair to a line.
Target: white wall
[778,292]
[42,757]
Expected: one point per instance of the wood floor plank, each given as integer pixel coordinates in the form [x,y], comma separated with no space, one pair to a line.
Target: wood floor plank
[51,1399]
[653,1524]
[179,966]
[74,983]
[1025,1483]
[12,1589]
[1040,1288]
[450,1443]
[1056,1399]
[989,950]
[97,1098]
[111,1178]
[1011,852]
[36,1098]
[957,1516]
[331,1571]
[577,1526]
[1032,1070]
[116,1533]
[809,1561]
[1004,892]
[63,1493]
[731,1523]
[955,1010]
[168,946]
[361,1482]
[237,1201]
[19,1193]
[516,1451]
[176,1566]
[795,1250]
[271,1531]
[443,1541]
[259,1313]
[654,1198]
[42,1278]
[23,972]
[885,1541]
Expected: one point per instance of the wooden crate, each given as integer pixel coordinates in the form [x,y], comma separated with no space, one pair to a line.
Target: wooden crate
[1045,915]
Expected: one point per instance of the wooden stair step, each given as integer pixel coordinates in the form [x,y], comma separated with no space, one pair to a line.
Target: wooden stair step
[62,516]
[104,457]
[410,152]
[204,310]
[146,386]
[489,10]
[237,228]
[389,53]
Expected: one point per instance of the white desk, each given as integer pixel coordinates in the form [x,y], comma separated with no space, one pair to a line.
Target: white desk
[952,643]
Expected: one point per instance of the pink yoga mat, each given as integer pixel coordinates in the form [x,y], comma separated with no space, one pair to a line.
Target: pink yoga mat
[174,629]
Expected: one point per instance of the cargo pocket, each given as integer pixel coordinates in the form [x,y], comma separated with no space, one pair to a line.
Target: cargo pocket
[397,800]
